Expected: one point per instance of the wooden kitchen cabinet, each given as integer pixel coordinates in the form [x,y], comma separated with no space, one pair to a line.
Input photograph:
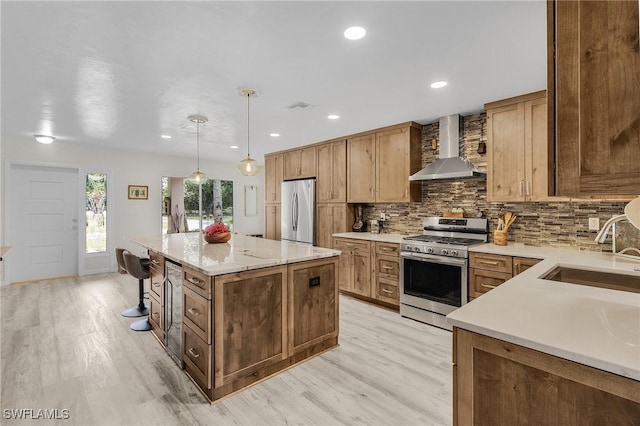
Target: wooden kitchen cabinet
[379,165]
[300,163]
[518,159]
[387,273]
[361,169]
[355,269]
[273,177]
[331,182]
[272,221]
[332,218]
[500,383]
[487,271]
[157,295]
[594,69]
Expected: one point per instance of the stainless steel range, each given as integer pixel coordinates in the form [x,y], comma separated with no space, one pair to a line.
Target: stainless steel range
[433,270]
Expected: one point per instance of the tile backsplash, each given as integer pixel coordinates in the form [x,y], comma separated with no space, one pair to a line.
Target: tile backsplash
[562,224]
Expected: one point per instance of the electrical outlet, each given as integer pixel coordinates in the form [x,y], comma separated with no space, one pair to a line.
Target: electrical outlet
[383,216]
[314,281]
[594,224]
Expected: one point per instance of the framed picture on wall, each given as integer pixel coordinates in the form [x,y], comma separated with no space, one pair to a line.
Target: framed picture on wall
[138,192]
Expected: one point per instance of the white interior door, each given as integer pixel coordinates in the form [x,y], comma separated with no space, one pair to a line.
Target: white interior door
[43,222]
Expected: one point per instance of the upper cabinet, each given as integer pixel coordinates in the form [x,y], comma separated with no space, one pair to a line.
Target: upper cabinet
[274,174]
[331,184]
[300,163]
[518,165]
[595,81]
[379,165]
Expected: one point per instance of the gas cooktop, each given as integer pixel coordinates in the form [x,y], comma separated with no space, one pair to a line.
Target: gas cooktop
[444,240]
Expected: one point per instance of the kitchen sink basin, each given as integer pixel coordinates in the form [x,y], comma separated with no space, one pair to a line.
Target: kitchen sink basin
[610,280]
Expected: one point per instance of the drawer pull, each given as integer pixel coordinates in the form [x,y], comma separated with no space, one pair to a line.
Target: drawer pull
[155,262]
[156,315]
[194,281]
[488,286]
[193,312]
[384,290]
[156,284]
[193,353]
[387,267]
[350,244]
[387,249]
[487,262]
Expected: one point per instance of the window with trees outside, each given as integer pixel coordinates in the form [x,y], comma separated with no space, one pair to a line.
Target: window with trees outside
[96,213]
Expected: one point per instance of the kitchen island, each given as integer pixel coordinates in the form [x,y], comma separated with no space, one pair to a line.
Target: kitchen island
[539,351]
[250,307]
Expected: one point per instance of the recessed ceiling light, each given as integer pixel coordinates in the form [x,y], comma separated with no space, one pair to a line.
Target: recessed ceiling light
[355,33]
[274,135]
[165,136]
[45,139]
[333,116]
[234,147]
[438,84]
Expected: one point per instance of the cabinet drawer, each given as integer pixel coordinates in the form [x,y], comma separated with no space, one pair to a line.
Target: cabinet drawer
[481,281]
[156,260]
[387,291]
[388,267]
[196,354]
[361,246]
[521,264]
[197,281]
[492,262]
[197,313]
[156,318]
[156,288]
[387,248]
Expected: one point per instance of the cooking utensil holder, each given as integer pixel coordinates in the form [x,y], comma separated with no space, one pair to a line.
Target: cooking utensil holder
[500,237]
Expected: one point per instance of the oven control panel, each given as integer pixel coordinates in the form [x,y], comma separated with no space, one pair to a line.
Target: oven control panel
[434,250]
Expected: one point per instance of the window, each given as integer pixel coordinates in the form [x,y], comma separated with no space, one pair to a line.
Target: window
[96,213]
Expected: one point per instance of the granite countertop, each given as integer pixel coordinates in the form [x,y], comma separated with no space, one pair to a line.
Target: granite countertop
[589,325]
[521,250]
[241,253]
[384,237]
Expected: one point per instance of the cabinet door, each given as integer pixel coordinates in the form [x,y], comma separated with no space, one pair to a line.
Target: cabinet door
[392,166]
[308,162]
[325,225]
[595,76]
[274,174]
[521,264]
[362,270]
[292,164]
[536,145]
[505,139]
[482,281]
[345,270]
[361,172]
[332,169]
[272,221]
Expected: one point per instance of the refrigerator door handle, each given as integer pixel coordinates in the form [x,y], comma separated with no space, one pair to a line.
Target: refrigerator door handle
[293,211]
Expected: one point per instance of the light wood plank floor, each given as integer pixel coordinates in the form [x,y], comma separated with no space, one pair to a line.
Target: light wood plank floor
[64,345]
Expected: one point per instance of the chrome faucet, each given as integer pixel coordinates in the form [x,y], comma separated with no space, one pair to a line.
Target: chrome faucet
[602,234]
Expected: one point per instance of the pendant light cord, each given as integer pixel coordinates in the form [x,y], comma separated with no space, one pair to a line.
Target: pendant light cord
[248,96]
[198,142]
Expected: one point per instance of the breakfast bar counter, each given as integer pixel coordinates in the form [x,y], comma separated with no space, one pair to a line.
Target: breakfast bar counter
[249,308]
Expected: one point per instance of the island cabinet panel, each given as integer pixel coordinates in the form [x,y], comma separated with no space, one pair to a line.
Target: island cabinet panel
[313,304]
[594,68]
[500,383]
[250,322]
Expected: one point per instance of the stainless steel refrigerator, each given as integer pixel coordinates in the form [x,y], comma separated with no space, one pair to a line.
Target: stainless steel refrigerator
[298,220]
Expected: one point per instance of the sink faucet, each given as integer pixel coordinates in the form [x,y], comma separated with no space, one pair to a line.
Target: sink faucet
[602,234]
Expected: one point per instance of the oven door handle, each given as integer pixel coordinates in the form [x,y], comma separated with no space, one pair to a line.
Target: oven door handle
[437,259]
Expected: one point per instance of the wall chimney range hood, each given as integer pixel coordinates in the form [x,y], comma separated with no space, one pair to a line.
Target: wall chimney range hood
[449,165]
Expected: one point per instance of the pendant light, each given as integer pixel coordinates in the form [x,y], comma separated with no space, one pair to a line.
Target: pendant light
[198,176]
[248,166]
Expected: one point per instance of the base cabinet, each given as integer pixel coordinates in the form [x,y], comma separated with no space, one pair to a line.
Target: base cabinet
[156,295]
[499,383]
[487,271]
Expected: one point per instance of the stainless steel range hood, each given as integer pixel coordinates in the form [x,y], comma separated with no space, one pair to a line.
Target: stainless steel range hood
[449,165]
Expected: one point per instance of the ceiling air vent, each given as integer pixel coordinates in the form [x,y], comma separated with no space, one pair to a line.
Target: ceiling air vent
[301,105]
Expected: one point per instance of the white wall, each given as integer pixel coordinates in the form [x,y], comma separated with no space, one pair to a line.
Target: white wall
[132,217]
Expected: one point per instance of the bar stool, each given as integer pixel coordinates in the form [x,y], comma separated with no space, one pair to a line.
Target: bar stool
[140,310]
[136,268]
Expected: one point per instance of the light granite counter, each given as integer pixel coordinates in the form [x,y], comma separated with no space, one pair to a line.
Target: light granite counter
[384,237]
[241,253]
[592,326]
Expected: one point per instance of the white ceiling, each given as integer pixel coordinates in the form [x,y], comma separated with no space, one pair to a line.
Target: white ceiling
[123,73]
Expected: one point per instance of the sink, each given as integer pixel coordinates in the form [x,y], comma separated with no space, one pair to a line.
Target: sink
[610,280]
